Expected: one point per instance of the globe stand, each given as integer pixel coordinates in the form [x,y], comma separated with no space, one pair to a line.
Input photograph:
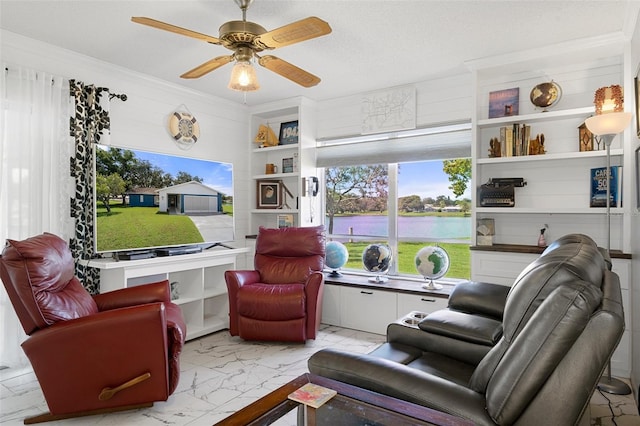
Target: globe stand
[432,286]
[334,274]
[378,279]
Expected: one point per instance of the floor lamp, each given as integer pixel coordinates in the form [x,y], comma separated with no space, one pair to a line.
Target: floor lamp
[606,124]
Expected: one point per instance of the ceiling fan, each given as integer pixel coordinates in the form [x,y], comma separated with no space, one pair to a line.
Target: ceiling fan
[247,39]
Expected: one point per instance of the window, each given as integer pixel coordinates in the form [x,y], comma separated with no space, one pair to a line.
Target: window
[404,204]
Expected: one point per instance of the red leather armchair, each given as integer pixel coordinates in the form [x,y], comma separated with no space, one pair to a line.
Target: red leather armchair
[91,354]
[281,300]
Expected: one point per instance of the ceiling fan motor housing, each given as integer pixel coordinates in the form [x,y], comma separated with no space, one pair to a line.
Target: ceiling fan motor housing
[234,34]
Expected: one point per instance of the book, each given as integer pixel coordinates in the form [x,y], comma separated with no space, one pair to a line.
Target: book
[503,103]
[598,184]
[287,165]
[312,395]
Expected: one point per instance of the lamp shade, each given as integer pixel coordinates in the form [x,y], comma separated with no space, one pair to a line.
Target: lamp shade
[243,77]
[610,118]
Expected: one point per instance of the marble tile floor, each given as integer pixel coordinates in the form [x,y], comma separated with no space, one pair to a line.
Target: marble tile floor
[221,374]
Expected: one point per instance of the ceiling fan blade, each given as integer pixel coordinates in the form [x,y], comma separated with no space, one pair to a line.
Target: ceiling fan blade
[174,29]
[207,67]
[290,71]
[295,32]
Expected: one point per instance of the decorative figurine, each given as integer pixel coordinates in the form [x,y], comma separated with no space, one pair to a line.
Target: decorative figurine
[542,242]
[494,148]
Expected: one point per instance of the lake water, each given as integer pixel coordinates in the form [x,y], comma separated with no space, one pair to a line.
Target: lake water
[431,227]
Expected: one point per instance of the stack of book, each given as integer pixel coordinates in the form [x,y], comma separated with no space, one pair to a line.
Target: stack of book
[515,140]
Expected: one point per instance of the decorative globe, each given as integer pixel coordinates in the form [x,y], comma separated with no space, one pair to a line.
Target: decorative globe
[337,256]
[432,262]
[545,95]
[377,258]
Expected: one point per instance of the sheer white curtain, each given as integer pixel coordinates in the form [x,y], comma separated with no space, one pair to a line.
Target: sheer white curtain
[35,183]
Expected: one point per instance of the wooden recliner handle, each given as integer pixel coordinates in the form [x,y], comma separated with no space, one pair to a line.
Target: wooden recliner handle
[107,393]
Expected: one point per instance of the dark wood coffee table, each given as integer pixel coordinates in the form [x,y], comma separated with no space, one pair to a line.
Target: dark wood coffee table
[352,406]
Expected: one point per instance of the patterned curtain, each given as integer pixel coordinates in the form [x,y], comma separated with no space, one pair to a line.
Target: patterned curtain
[88,125]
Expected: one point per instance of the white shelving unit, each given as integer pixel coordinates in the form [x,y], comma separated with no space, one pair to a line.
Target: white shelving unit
[198,277]
[304,208]
[557,193]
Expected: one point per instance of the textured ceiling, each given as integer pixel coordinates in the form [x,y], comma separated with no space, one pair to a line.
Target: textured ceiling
[374,44]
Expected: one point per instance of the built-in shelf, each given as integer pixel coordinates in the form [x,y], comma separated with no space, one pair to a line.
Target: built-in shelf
[541,210]
[275,148]
[272,211]
[550,157]
[276,175]
[537,117]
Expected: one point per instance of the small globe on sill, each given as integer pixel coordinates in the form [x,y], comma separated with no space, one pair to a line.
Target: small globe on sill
[377,258]
[336,256]
[432,262]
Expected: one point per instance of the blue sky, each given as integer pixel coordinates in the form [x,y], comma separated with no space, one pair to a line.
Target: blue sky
[217,175]
[426,179]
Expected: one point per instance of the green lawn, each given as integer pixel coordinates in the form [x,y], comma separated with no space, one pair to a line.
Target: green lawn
[458,254]
[127,227]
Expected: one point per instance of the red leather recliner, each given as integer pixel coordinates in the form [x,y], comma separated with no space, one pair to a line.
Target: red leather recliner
[281,300]
[91,354]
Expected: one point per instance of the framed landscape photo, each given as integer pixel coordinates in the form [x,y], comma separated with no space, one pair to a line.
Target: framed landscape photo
[289,133]
[269,194]
[504,103]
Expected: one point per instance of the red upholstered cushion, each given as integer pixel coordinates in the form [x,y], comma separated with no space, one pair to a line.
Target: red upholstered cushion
[47,271]
[271,302]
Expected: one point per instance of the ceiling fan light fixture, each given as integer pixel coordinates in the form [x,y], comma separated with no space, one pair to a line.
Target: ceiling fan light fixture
[243,77]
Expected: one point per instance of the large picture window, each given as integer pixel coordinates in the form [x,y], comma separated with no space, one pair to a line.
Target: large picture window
[404,204]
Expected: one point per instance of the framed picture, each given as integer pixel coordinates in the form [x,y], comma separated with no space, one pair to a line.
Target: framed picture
[285,220]
[287,165]
[503,103]
[289,133]
[269,194]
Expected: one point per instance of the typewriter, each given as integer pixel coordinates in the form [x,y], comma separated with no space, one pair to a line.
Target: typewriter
[500,192]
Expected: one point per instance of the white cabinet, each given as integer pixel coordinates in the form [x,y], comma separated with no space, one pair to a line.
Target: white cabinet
[421,303]
[292,200]
[197,281]
[367,310]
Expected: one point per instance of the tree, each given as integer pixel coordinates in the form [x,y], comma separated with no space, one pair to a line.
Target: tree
[347,187]
[459,172]
[410,203]
[108,187]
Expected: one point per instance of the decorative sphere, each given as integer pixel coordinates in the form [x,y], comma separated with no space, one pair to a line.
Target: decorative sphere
[432,262]
[545,95]
[377,258]
[337,255]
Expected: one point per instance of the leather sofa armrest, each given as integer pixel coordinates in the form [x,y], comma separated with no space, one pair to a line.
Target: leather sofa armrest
[462,326]
[479,298]
[399,381]
[133,296]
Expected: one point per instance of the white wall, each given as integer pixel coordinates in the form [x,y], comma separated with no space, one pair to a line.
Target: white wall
[443,100]
[140,122]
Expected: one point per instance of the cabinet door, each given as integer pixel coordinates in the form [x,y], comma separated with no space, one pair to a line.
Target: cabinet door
[331,305]
[367,310]
[420,302]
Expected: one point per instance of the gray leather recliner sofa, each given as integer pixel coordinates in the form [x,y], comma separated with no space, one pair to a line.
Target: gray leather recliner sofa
[532,357]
